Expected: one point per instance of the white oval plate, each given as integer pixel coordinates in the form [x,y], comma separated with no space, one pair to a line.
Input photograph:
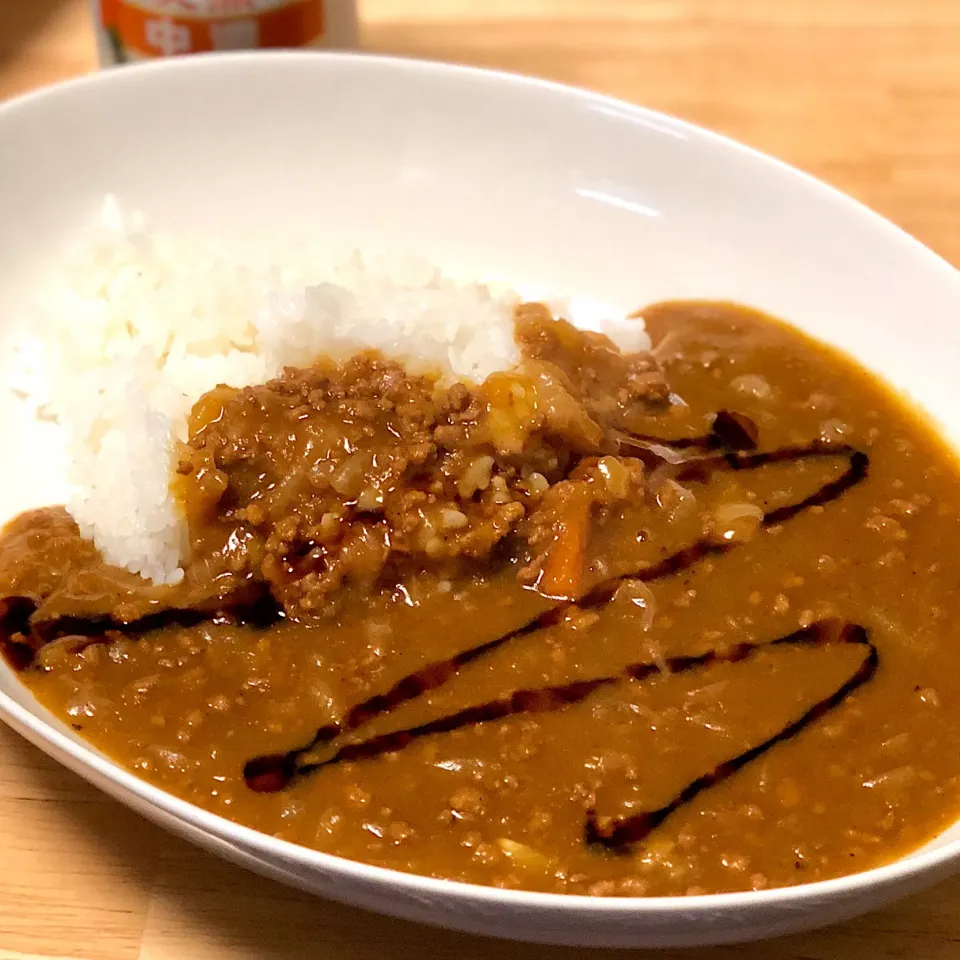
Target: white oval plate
[499,174]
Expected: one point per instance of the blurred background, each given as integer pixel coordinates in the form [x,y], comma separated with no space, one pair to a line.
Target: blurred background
[863,93]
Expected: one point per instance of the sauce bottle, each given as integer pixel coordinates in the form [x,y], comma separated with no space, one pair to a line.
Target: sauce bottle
[131,30]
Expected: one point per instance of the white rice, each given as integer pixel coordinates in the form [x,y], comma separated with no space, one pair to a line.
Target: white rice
[142,324]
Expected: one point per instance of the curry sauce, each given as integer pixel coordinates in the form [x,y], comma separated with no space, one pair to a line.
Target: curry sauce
[663,624]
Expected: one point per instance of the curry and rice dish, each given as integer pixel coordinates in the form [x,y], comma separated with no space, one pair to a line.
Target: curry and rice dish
[665,622]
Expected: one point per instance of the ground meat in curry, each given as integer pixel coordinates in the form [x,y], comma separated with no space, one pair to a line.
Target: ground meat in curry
[656,624]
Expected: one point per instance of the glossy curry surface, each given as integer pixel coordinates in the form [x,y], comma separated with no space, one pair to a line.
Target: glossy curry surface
[628,668]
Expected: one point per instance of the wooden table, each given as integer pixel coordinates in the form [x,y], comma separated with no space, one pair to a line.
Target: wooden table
[864,93]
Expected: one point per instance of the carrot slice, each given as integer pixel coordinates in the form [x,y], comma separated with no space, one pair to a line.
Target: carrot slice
[563,567]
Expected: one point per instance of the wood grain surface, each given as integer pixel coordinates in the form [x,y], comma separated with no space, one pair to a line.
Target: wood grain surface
[863,93]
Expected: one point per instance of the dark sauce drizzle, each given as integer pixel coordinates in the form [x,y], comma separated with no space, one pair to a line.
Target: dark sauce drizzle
[15,614]
[273,772]
[549,699]
[621,833]
[21,637]
[729,430]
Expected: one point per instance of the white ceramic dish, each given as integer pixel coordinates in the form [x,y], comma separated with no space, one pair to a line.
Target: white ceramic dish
[582,193]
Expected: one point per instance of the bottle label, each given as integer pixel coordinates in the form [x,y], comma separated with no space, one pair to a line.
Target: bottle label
[165,28]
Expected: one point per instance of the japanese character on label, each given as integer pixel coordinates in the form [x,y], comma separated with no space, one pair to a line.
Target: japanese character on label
[168,37]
